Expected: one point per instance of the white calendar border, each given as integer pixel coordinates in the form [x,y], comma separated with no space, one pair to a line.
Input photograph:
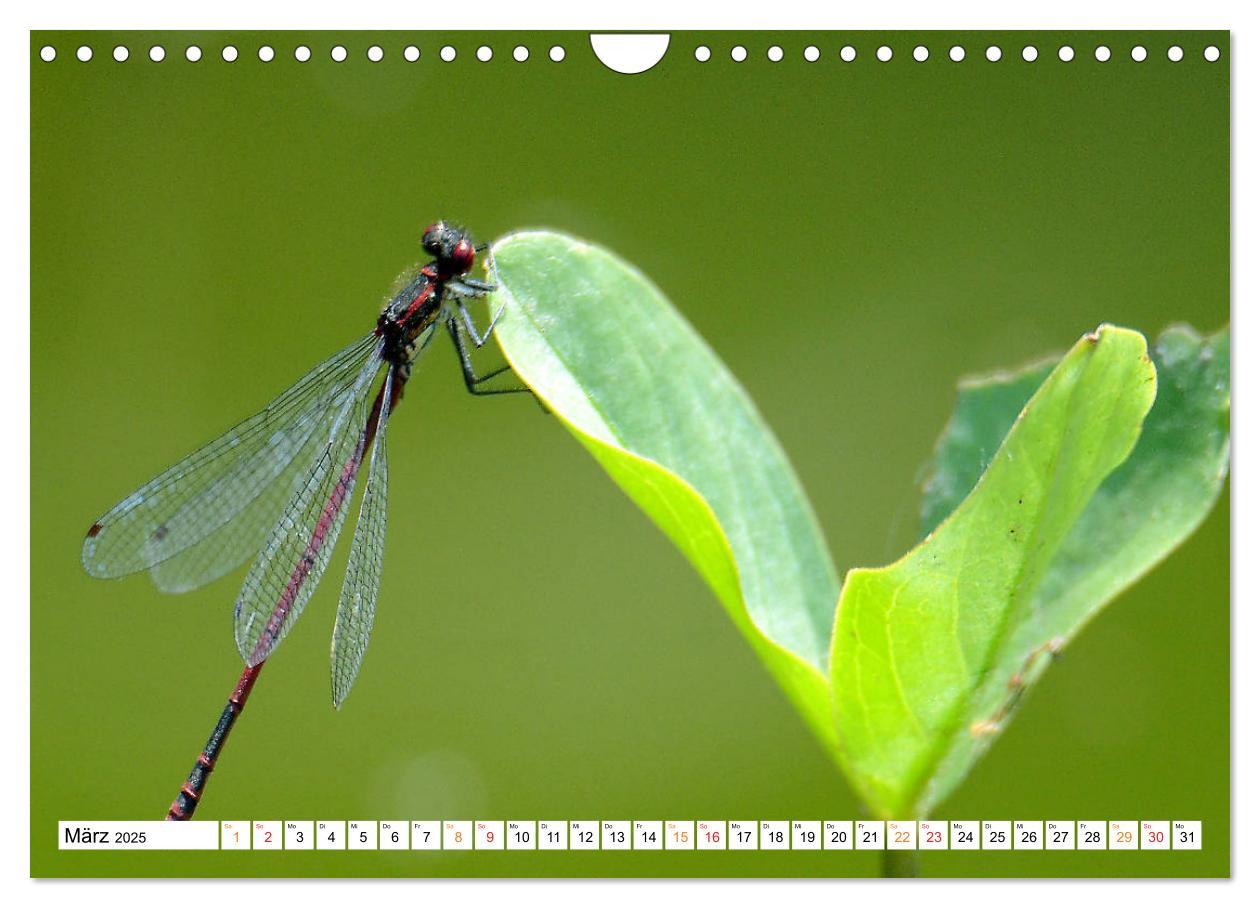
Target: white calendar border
[14,761]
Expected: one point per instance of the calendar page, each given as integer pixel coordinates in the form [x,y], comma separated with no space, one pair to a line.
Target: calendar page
[808,454]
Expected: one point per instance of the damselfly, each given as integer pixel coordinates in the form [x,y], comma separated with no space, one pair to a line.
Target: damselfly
[277,487]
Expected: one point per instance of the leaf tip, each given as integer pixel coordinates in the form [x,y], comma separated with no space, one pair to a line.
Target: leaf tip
[1104,329]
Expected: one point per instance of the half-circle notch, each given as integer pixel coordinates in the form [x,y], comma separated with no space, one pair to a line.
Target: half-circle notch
[629,54]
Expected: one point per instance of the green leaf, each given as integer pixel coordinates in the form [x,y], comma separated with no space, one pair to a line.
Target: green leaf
[626,374]
[1143,510]
[1046,509]
[986,409]
[917,641]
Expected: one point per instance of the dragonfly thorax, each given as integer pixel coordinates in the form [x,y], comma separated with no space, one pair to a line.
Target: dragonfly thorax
[408,315]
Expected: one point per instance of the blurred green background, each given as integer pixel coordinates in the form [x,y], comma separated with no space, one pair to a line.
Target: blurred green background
[850,237]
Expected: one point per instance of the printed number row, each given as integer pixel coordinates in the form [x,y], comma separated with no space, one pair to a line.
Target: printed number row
[708,835]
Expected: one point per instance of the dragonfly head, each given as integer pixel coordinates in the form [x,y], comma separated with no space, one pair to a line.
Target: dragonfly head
[450,246]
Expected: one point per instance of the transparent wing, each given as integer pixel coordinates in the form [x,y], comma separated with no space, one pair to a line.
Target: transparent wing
[243,536]
[356,609]
[296,552]
[190,501]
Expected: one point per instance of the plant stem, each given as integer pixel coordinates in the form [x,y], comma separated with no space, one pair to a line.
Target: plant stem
[897,863]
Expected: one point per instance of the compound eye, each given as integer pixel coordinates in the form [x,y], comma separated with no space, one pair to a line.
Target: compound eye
[462,255]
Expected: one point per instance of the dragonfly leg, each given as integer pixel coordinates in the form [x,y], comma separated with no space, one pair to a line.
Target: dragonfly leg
[472,380]
[479,340]
[468,288]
